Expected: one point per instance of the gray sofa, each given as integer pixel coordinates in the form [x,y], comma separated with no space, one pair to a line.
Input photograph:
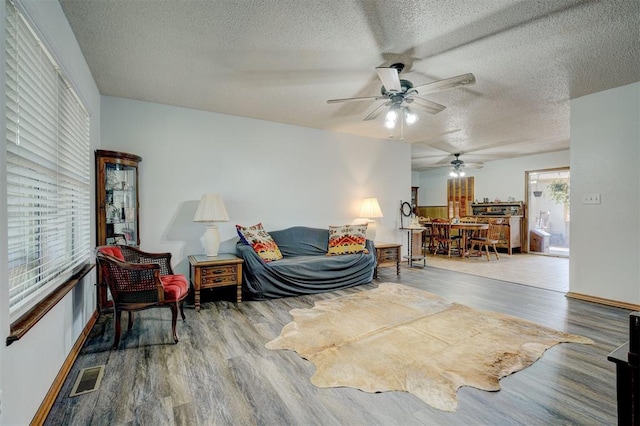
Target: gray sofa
[305,268]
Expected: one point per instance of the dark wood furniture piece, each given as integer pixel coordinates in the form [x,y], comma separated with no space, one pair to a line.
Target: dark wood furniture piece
[414,199]
[138,280]
[220,271]
[117,206]
[387,254]
[627,360]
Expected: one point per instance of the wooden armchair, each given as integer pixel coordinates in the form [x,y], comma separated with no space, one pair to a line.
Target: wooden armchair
[442,237]
[487,238]
[138,280]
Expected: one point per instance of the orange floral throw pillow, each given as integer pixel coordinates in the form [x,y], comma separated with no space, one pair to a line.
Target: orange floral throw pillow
[347,239]
[260,241]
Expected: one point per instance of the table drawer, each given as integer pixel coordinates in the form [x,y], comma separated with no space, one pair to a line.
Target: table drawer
[219,270]
[221,280]
[388,254]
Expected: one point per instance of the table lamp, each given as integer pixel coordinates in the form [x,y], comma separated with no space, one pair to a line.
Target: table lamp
[370,210]
[210,211]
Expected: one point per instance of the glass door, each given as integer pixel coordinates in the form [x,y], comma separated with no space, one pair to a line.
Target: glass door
[121,211]
[548,211]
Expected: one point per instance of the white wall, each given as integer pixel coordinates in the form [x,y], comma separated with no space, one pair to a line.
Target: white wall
[29,366]
[277,174]
[497,179]
[605,159]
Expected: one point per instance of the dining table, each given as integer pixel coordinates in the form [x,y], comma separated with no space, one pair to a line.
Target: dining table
[466,230]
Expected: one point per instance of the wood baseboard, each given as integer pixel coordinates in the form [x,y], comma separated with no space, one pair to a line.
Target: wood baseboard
[50,398]
[602,301]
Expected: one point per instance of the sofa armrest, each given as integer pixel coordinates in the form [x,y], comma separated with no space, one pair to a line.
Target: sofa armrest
[249,255]
[369,245]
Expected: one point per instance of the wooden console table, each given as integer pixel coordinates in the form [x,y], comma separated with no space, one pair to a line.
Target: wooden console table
[387,254]
[220,271]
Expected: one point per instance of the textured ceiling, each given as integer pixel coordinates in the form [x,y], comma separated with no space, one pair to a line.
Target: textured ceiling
[280,60]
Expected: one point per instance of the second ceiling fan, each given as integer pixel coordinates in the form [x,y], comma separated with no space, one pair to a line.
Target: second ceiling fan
[400,93]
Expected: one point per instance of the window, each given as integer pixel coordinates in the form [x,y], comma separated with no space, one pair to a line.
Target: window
[47,162]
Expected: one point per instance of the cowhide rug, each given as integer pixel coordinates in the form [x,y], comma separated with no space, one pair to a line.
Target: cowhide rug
[397,337]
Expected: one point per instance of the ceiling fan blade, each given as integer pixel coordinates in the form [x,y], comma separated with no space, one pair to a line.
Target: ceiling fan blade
[389,78]
[427,105]
[363,98]
[442,166]
[447,83]
[473,165]
[376,112]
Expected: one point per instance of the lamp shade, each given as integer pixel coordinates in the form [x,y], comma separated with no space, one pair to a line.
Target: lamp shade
[211,209]
[370,208]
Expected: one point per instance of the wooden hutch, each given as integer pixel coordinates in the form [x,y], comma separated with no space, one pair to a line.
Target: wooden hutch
[512,216]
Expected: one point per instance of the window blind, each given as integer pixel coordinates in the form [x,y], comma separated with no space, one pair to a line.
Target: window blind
[47,162]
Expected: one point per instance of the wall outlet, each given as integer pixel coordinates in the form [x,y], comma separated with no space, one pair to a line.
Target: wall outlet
[591,198]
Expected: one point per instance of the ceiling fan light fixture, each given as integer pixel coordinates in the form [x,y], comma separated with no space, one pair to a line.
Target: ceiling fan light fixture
[390,124]
[410,117]
[392,115]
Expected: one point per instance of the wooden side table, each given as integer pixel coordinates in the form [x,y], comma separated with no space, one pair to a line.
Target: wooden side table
[388,254]
[220,271]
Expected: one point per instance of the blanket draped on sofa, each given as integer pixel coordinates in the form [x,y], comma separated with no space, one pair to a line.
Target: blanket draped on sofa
[305,267]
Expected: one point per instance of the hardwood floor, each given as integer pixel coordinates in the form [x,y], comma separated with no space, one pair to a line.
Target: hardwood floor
[220,372]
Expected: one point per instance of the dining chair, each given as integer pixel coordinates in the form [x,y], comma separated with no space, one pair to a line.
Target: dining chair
[139,280]
[470,234]
[488,237]
[442,237]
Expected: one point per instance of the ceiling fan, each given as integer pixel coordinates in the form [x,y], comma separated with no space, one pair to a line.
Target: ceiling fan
[457,166]
[400,93]
[457,169]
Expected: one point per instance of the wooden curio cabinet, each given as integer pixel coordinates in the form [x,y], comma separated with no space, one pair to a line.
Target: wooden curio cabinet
[117,215]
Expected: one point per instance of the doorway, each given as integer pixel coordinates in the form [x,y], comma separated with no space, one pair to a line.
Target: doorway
[548,211]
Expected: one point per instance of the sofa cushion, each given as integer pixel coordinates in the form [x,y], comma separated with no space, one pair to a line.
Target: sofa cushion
[260,241]
[347,239]
[301,241]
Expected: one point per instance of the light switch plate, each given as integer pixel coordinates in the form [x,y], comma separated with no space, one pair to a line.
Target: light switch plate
[591,198]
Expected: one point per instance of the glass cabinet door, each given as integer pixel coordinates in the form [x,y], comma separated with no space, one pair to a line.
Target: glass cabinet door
[121,210]
[117,198]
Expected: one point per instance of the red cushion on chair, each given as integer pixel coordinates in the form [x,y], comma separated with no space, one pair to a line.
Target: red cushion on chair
[175,287]
[112,251]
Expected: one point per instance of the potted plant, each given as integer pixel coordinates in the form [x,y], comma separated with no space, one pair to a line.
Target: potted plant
[559,192]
